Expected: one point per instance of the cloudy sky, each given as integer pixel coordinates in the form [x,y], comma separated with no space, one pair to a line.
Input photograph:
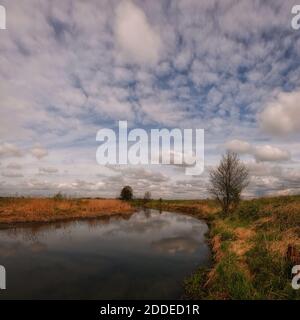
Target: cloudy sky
[69,68]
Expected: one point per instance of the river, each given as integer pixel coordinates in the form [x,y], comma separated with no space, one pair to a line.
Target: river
[145,256]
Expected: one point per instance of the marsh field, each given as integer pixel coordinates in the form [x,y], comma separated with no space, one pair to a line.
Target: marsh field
[34,210]
[192,250]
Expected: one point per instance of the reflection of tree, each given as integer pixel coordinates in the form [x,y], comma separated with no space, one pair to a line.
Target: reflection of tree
[9,249]
[147,212]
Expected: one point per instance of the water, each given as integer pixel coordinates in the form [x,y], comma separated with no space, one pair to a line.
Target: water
[145,256]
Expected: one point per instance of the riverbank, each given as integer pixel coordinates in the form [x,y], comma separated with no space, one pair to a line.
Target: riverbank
[254,248]
[37,210]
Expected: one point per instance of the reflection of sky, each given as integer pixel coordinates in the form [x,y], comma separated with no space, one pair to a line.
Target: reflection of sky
[148,249]
[176,244]
[11,248]
[141,229]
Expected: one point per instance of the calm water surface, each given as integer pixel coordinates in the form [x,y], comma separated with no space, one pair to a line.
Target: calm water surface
[145,256]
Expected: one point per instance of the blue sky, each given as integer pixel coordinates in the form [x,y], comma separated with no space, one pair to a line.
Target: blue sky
[69,68]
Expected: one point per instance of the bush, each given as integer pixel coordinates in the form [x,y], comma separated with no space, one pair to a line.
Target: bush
[126,193]
[58,196]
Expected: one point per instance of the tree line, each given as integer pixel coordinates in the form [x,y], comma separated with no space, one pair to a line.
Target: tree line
[227,181]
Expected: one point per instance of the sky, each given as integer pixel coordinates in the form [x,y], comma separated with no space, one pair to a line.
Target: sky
[69,68]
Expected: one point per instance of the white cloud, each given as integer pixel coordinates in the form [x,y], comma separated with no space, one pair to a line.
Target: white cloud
[269,153]
[138,40]
[11,174]
[282,116]
[182,60]
[14,166]
[48,170]
[238,146]
[9,150]
[269,179]
[263,169]
[39,152]
[260,153]
[216,70]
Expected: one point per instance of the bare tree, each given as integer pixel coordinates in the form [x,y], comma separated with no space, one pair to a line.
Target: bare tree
[147,196]
[228,180]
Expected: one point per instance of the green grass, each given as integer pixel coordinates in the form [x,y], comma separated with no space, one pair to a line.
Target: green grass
[224,232]
[271,274]
[231,279]
[250,259]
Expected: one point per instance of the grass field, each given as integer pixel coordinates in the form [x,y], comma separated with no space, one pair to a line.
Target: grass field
[249,248]
[29,210]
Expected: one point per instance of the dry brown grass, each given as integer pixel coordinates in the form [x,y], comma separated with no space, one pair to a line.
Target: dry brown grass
[243,243]
[289,237]
[202,209]
[19,210]
[250,249]
[216,247]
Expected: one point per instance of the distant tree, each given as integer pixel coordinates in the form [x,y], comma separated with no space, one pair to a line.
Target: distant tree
[160,201]
[126,193]
[228,180]
[58,196]
[147,196]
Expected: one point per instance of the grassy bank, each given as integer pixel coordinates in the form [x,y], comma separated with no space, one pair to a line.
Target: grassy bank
[249,248]
[29,210]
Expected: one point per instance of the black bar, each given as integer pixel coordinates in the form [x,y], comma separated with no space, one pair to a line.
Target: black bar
[73,309]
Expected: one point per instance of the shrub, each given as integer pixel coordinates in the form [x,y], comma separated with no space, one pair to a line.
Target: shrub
[126,193]
[58,196]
